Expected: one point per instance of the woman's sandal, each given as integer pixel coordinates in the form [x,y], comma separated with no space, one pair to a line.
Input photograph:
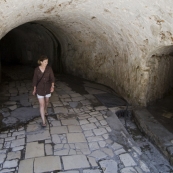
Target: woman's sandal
[46,114]
[43,125]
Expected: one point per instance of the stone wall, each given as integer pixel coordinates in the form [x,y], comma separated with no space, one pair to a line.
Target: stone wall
[104,41]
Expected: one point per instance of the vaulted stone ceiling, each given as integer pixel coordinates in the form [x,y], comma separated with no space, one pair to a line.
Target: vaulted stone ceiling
[126,45]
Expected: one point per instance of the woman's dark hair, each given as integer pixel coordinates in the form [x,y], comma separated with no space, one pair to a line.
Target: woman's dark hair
[41,59]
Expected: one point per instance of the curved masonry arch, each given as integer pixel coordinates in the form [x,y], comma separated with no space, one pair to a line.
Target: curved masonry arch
[103,40]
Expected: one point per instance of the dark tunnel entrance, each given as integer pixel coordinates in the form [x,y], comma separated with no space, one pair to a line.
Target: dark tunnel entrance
[24,44]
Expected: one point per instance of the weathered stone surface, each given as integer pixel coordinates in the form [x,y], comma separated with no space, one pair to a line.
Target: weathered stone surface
[40,135]
[80,162]
[92,161]
[60,110]
[98,154]
[88,126]
[2,157]
[58,130]
[94,138]
[75,137]
[56,139]
[26,166]
[10,164]
[70,122]
[18,142]
[91,171]
[48,149]
[128,170]
[14,155]
[109,166]
[48,163]
[99,131]
[34,149]
[127,160]
[116,146]
[74,129]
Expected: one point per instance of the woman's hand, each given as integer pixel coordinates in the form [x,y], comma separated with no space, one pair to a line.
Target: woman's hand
[34,91]
[52,89]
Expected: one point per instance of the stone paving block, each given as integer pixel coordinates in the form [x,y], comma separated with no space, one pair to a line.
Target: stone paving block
[88,133]
[58,130]
[18,133]
[47,164]
[116,146]
[55,123]
[74,129]
[89,126]
[34,149]
[70,172]
[14,155]
[26,166]
[92,161]
[85,102]
[3,135]
[92,120]
[102,143]
[72,152]
[108,151]
[62,152]
[18,148]
[76,99]
[81,146]
[120,151]
[82,122]
[48,149]
[7,144]
[99,131]
[128,170]
[109,166]
[33,127]
[70,122]
[75,95]
[60,110]
[103,122]
[127,160]
[40,135]
[56,139]
[99,108]
[98,155]
[80,162]
[10,139]
[143,166]
[91,171]
[94,146]
[105,136]
[94,138]
[2,157]
[58,147]
[75,137]
[7,170]
[12,108]
[10,164]
[18,142]
[1,141]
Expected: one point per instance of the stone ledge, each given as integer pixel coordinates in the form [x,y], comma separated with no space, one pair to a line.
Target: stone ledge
[157,133]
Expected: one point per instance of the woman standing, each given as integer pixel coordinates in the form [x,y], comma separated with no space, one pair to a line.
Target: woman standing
[43,82]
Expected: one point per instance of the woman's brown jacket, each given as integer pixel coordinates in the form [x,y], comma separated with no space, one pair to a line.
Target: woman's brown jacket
[43,87]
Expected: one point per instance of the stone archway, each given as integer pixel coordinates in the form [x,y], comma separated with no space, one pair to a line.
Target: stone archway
[103,41]
[24,44]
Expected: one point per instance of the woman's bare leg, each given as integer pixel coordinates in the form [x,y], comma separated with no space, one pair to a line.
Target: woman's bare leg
[42,105]
[46,104]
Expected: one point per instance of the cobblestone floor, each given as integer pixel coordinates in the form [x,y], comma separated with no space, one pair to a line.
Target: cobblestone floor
[82,136]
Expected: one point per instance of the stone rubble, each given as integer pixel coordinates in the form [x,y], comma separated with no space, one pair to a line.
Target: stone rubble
[77,138]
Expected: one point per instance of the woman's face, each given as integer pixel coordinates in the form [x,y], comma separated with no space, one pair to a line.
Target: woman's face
[44,62]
